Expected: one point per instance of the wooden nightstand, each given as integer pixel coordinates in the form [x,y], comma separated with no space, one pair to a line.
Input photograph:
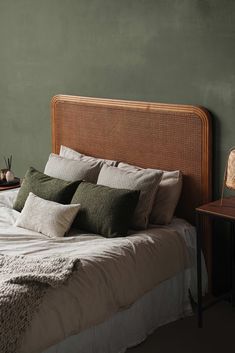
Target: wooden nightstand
[225,211]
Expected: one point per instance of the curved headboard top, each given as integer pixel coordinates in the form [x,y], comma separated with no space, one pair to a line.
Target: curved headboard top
[149,135]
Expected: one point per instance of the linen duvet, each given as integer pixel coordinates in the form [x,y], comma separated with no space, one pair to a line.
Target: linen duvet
[112,274]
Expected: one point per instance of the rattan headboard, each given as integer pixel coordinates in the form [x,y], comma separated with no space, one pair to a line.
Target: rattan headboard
[153,135]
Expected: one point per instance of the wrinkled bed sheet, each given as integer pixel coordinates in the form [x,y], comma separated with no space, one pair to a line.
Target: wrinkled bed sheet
[112,275]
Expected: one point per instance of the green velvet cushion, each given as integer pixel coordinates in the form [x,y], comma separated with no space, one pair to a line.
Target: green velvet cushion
[46,187]
[104,210]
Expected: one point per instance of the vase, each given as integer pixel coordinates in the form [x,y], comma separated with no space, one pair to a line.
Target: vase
[10,176]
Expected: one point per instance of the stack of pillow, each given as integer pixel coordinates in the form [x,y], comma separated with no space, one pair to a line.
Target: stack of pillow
[95,195]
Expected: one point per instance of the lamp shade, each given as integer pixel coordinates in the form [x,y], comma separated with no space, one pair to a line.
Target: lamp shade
[230,171]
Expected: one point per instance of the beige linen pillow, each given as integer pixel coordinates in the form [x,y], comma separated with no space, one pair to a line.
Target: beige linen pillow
[166,198]
[47,217]
[69,153]
[71,170]
[134,178]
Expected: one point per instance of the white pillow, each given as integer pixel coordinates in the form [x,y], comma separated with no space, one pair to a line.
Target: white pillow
[166,198]
[47,217]
[69,153]
[134,178]
[72,170]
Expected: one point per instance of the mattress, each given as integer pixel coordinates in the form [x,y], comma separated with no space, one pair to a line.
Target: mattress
[115,276]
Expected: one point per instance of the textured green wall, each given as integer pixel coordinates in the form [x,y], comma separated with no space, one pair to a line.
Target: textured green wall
[176,51]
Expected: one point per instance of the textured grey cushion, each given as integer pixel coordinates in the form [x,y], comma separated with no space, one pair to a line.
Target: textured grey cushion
[167,197]
[71,170]
[69,153]
[134,178]
[46,217]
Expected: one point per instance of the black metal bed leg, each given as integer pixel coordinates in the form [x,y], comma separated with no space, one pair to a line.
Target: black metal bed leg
[233,263]
[199,272]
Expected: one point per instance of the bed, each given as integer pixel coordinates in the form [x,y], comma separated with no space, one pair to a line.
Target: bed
[153,135]
[148,135]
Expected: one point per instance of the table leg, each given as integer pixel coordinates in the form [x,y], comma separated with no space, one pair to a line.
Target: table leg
[199,270]
[233,262]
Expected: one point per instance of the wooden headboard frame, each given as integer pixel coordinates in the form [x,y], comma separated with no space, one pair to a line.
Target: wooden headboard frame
[163,136]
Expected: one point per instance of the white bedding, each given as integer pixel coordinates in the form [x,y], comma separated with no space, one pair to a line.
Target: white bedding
[114,273]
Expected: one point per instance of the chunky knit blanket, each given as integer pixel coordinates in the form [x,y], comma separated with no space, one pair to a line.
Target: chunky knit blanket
[24,280]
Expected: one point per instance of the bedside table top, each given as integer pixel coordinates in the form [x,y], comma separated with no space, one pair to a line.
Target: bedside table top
[11,185]
[226,210]
[5,188]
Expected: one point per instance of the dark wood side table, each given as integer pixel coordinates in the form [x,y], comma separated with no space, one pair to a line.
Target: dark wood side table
[13,185]
[226,211]
[5,188]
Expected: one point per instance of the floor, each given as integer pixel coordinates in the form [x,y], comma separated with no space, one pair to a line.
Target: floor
[183,336]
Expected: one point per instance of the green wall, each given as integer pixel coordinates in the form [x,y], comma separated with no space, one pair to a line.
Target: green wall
[176,51]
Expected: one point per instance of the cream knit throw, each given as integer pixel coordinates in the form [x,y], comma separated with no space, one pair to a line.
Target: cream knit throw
[24,281]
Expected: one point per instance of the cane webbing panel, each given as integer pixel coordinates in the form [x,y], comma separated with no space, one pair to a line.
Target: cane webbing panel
[153,135]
